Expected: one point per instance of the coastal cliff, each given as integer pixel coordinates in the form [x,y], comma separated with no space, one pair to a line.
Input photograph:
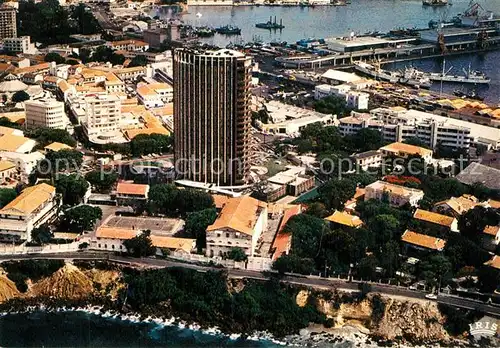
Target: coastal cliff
[233,305]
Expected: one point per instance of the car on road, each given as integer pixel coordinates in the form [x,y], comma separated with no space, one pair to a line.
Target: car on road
[431,296]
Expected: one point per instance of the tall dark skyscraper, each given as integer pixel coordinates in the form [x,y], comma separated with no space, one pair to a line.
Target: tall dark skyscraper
[212,115]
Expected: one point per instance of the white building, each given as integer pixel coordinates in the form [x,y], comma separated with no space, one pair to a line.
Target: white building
[45,113]
[354,99]
[25,162]
[403,150]
[368,159]
[102,118]
[399,125]
[19,44]
[394,194]
[155,94]
[239,225]
[33,207]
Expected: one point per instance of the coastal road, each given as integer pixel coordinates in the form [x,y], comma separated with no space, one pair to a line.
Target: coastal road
[311,281]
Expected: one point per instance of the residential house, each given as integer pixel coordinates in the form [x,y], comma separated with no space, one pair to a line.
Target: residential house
[55,146]
[456,206]
[239,225]
[155,95]
[422,242]
[343,219]
[129,194]
[476,172]
[368,159]
[25,162]
[35,206]
[436,220]
[490,238]
[403,150]
[394,194]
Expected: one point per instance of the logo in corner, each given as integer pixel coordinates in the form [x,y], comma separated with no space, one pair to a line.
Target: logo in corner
[485,327]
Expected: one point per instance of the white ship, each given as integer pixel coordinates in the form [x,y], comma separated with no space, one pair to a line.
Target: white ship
[410,77]
[470,76]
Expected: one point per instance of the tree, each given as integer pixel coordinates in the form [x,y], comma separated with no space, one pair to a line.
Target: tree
[45,136]
[307,232]
[20,96]
[473,222]
[293,264]
[415,142]
[364,140]
[6,196]
[72,188]
[139,60]
[141,245]
[54,57]
[102,181]
[41,234]
[335,193]
[168,199]
[385,228]
[72,61]
[316,209]
[58,161]
[145,144]
[331,105]
[367,267]
[81,218]
[197,223]
[237,254]
[435,269]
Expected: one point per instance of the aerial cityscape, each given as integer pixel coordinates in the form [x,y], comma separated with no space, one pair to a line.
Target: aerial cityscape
[259,173]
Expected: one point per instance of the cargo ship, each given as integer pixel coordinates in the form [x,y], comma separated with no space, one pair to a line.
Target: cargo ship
[470,76]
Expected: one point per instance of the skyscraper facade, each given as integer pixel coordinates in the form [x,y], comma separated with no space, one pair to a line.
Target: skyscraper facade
[212,115]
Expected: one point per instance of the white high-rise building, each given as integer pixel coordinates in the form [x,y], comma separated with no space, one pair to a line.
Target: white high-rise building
[102,117]
[45,113]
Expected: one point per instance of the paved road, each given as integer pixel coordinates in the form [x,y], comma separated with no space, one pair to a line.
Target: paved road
[312,281]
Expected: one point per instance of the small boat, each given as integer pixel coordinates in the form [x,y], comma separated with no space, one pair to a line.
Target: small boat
[434,2]
[204,32]
[228,30]
[270,24]
[469,95]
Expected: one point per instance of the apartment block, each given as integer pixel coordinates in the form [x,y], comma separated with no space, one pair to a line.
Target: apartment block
[45,113]
[8,25]
[102,117]
[19,44]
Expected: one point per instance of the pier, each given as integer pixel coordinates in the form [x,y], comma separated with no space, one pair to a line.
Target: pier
[388,55]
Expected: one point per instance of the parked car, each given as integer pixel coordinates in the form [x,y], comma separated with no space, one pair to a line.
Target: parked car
[431,296]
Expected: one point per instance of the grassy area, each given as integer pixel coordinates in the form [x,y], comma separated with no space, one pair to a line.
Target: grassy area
[273,168]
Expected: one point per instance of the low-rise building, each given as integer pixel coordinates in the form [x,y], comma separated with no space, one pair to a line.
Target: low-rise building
[343,219]
[422,242]
[35,206]
[128,45]
[490,238]
[353,99]
[368,159]
[20,44]
[395,195]
[47,113]
[476,172]
[15,143]
[294,180]
[8,171]
[456,206]
[155,95]
[239,225]
[403,150]
[55,146]
[437,220]
[129,194]
[25,162]
[494,262]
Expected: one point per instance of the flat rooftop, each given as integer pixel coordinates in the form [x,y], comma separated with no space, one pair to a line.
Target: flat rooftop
[160,226]
[357,41]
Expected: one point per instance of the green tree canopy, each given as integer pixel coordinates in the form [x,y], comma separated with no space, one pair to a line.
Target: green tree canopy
[20,96]
[473,222]
[139,60]
[72,188]
[145,144]
[81,218]
[307,232]
[41,234]
[54,57]
[293,264]
[364,140]
[331,105]
[141,245]
[335,193]
[45,136]
[168,199]
[63,160]
[197,223]
[6,196]
[237,254]
[101,180]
